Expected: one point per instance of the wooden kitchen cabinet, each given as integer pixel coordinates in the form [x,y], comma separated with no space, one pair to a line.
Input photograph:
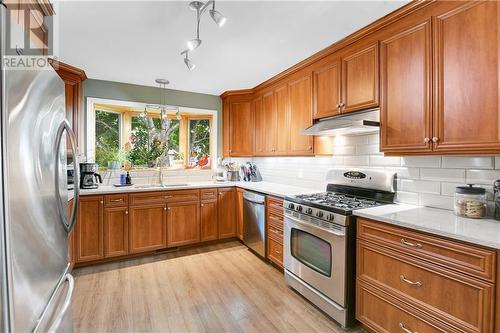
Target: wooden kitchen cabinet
[449,282]
[89,229]
[209,225]
[227,212]
[406,71]
[71,238]
[327,83]
[148,230]
[241,125]
[183,223]
[282,121]
[239,212]
[260,125]
[360,77]
[265,124]
[274,230]
[116,229]
[300,115]
[467,101]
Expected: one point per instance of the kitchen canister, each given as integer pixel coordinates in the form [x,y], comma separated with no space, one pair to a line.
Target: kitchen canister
[470,201]
[496,192]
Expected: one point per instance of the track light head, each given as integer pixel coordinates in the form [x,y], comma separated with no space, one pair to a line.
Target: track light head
[218,18]
[193,44]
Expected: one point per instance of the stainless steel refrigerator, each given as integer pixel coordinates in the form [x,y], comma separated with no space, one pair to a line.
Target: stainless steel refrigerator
[37,285]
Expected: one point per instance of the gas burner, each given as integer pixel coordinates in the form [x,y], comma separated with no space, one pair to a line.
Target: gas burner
[337,200]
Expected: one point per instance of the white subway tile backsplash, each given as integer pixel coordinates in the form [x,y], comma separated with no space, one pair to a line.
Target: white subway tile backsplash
[368,150]
[467,162]
[356,160]
[373,138]
[376,160]
[445,175]
[407,197]
[420,186]
[356,140]
[422,161]
[405,172]
[449,189]
[486,177]
[438,201]
[497,162]
[344,150]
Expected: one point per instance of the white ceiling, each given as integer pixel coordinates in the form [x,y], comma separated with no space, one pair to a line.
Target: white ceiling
[138,41]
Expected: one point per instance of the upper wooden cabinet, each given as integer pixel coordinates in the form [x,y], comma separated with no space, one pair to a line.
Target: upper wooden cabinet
[360,77]
[466,74]
[238,125]
[405,76]
[281,138]
[327,82]
[300,116]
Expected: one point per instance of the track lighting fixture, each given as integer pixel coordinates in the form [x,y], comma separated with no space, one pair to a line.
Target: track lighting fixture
[200,7]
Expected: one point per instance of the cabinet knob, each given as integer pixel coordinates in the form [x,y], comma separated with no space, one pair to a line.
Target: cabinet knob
[126,212]
[338,105]
[202,205]
[101,202]
[164,208]
[427,140]
[342,104]
[310,147]
[404,329]
[435,139]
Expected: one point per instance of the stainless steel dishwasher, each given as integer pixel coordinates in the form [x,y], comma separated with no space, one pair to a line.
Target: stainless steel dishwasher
[254,222]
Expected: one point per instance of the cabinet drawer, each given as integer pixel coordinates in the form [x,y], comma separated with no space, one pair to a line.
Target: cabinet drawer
[465,302]
[182,196]
[147,198]
[275,203]
[277,215]
[275,232]
[379,314]
[454,255]
[116,200]
[208,194]
[276,219]
[275,252]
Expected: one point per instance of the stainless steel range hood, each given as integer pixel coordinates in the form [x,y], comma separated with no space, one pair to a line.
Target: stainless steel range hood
[348,124]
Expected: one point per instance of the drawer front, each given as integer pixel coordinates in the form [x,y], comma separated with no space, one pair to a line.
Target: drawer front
[463,301]
[275,203]
[278,216]
[208,194]
[137,199]
[275,231]
[182,196]
[454,255]
[116,200]
[275,252]
[379,314]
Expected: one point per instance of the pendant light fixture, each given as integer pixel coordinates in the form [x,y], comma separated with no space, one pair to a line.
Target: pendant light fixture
[163,107]
[200,7]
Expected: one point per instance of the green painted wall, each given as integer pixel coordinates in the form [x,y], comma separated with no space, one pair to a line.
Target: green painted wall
[143,94]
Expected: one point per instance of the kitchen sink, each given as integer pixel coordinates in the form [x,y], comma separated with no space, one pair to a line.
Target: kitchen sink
[160,186]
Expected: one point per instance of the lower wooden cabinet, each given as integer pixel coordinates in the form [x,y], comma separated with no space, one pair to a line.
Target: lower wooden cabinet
[274,230]
[89,229]
[275,252]
[148,228]
[209,227]
[424,273]
[227,212]
[183,223]
[239,212]
[116,230]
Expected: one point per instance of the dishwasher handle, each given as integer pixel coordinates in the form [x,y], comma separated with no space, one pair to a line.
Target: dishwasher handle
[254,197]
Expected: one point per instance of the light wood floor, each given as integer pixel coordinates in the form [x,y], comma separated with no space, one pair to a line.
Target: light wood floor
[217,288]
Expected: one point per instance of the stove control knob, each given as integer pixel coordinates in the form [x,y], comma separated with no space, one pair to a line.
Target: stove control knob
[298,208]
[309,211]
[319,214]
[331,217]
[291,206]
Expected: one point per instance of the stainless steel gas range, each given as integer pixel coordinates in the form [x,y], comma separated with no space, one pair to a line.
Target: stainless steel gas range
[320,236]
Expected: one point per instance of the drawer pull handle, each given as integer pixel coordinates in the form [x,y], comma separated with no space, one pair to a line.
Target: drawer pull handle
[168,196]
[116,200]
[404,329]
[405,242]
[404,279]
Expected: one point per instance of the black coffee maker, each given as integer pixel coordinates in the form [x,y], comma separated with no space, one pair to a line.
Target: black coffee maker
[89,178]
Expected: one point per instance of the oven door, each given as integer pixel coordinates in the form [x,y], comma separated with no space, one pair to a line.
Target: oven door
[315,252]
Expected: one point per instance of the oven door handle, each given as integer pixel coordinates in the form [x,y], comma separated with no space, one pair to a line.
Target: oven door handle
[311,225]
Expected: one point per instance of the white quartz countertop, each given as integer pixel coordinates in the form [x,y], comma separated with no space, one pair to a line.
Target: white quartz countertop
[275,189]
[485,232]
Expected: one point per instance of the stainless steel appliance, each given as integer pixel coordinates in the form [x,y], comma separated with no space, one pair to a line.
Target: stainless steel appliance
[320,235]
[254,222]
[89,177]
[36,284]
[353,123]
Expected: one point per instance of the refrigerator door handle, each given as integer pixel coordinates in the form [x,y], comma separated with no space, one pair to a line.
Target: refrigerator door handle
[68,223]
[56,323]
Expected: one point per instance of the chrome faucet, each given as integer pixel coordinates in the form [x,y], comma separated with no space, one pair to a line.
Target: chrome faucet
[159,162]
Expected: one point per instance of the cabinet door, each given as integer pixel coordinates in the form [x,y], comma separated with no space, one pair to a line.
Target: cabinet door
[300,99]
[466,74]
[115,231]
[241,129]
[239,212]
[360,78]
[281,133]
[327,90]
[227,212]
[209,227]
[183,223]
[260,124]
[269,123]
[89,229]
[405,66]
[72,241]
[148,231]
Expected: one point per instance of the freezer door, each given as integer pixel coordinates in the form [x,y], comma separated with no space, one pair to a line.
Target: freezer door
[36,237]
